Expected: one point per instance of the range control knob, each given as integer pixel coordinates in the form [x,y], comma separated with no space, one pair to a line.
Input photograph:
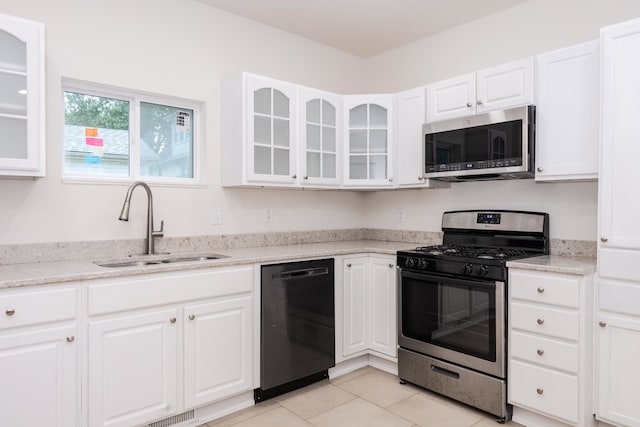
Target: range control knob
[483,270]
[422,264]
[468,268]
[410,262]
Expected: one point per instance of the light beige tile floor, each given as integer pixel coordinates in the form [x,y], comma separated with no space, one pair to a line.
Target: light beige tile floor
[363,398]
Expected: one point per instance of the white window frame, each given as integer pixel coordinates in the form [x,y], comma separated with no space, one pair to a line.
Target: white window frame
[135,98]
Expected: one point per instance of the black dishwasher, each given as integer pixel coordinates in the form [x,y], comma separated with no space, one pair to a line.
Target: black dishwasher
[297,340]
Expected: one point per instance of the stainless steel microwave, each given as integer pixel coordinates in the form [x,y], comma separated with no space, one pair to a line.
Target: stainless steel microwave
[495,145]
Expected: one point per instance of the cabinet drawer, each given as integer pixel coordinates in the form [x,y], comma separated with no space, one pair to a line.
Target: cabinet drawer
[23,308]
[113,295]
[545,351]
[545,320]
[547,288]
[544,390]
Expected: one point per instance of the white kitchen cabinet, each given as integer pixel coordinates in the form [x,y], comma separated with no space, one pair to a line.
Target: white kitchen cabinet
[409,140]
[321,136]
[177,341]
[568,113]
[369,305]
[550,340]
[259,132]
[505,86]
[22,144]
[356,332]
[133,368]
[217,350]
[368,153]
[39,357]
[618,315]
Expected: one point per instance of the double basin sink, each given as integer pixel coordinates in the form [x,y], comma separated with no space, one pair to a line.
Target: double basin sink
[161,260]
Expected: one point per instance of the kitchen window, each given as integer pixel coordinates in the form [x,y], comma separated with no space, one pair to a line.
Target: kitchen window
[119,135]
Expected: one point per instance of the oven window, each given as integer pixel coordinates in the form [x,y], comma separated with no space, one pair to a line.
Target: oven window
[453,314]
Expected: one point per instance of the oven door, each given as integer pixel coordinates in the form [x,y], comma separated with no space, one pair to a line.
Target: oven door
[457,320]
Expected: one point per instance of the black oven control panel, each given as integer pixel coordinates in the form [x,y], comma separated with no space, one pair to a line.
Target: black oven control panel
[478,269]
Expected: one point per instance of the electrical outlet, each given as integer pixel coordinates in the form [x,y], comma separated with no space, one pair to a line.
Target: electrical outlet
[399,214]
[268,215]
[216,216]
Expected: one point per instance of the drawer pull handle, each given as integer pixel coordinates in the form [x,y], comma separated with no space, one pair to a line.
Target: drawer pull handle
[540,352]
[390,265]
[10,312]
[602,323]
[540,321]
[540,289]
[172,320]
[71,338]
[192,316]
[349,265]
[540,391]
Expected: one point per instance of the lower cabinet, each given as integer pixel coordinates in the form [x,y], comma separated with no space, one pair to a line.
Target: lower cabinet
[39,369]
[369,305]
[550,343]
[162,344]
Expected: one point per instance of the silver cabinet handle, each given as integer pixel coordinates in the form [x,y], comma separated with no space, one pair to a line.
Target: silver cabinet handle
[349,265]
[604,239]
[540,321]
[294,176]
[540,352]
[540,390]
[172,320]
[71,338]
[469,105]
[10,312]
[540,289]
[305,177]
[420,178]
[602,323]
[540,170]
[479,102]
[192,316]
[390,179]
[390,265]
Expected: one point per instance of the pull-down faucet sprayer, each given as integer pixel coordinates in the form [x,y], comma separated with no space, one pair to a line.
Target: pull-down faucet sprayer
[124,215]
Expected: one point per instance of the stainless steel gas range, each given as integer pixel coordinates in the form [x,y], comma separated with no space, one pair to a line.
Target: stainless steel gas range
[452,307]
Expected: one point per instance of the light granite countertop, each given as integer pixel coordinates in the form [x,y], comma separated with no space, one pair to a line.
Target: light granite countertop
[557,264]
[28,274]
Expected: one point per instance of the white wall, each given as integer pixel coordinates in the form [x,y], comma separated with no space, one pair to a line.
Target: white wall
[185,48]
[179,48]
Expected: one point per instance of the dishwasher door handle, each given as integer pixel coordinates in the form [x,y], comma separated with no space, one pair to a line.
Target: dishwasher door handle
[307,272]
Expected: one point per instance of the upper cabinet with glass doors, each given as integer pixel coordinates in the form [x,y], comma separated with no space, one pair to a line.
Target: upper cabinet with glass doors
[259,132]
[321,115]
[21,97]
[368,140]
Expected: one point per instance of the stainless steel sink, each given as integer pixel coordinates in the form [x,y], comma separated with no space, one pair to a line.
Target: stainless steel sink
[165,260]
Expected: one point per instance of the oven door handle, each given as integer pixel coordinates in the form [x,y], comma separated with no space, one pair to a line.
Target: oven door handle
[439,278]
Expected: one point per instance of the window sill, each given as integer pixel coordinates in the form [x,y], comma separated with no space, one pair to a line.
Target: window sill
[127,181]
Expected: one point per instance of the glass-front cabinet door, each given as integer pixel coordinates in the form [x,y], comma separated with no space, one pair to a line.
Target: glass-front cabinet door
[21,97]
[321,113]
[271,130]
[369,131]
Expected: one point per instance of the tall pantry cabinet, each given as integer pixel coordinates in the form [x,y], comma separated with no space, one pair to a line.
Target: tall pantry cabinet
[618,295]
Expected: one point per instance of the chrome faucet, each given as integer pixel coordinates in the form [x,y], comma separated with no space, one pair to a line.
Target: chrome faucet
[124,215]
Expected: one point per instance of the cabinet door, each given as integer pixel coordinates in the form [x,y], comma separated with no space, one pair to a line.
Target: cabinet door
[369,140]
[321,118]
[22,97]
[271,107]
[410,110]
[618,376]
[451,98]
[355,305]
[382,285]
[505,86]
[132,368]
[218,353]
[568,113]
[619,178]
[39,374]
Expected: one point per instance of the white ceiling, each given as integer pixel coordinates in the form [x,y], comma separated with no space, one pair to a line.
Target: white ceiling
[363,27]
